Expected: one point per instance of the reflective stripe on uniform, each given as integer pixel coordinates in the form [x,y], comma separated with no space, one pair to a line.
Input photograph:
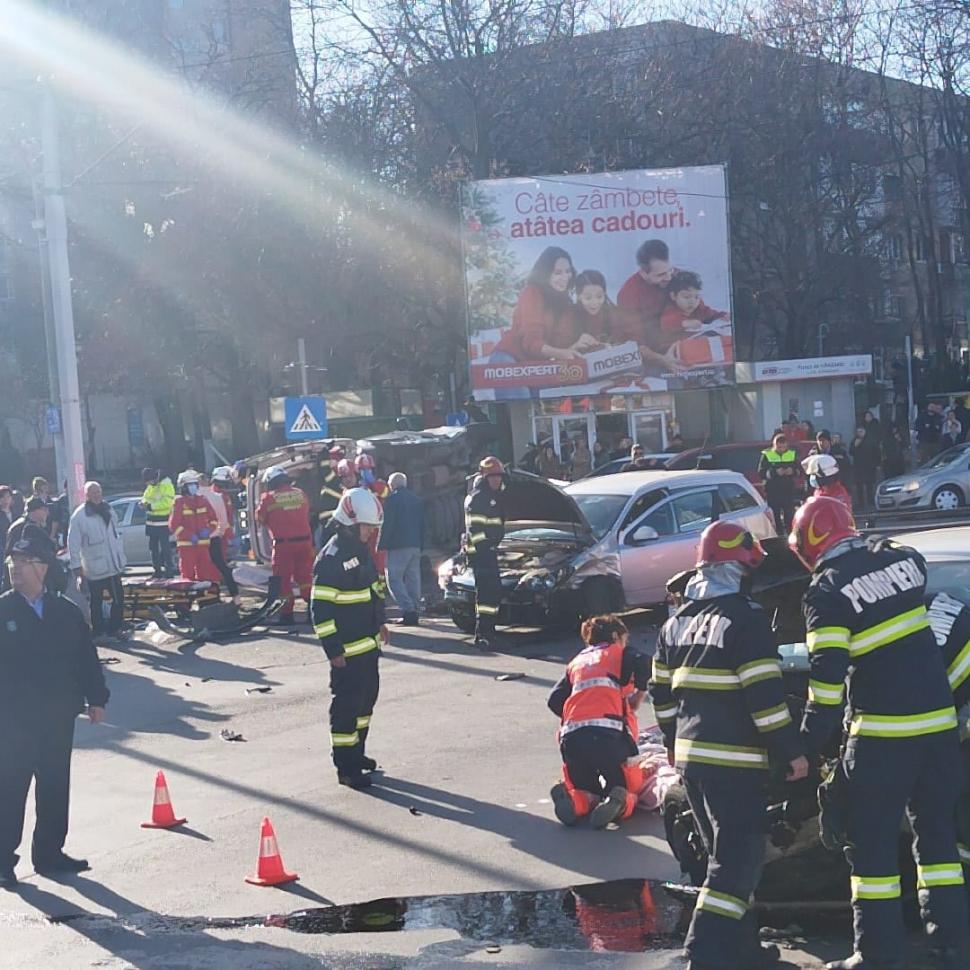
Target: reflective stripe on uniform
[875,887]
[364,645]
[344,740]
[378,587]
[903,725]
[482,609]
[964,851]
[959,669]
[721,903]
[724,755]
[665,712]
[363,722]
[603,722]
[476,537]
[889,632]
[820,692]
[592,682]
[332,492]
[342,597]
[702,678]
[943,874]
[325,629]
[771,718]
[829,638]
[661,672]
[757,670]
[198,542]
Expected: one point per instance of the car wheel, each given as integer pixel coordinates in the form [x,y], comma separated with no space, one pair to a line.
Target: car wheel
[598,598]
[463,619]
[947,498]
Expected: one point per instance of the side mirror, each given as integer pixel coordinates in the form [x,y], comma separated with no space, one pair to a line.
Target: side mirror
[645,533]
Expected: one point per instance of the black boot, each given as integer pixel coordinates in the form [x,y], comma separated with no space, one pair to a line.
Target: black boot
[356,780]
[368,764]
[60,864]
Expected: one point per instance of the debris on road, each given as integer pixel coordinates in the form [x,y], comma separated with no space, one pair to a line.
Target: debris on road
[413,810]
[259,690]
[228,735]
[504,677]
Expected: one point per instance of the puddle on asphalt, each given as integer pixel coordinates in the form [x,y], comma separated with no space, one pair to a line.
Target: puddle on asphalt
[626,915]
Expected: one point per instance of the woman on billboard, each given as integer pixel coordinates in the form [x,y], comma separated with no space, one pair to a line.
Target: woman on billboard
[542,321]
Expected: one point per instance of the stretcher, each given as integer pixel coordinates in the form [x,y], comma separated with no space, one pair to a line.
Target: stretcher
[178,596]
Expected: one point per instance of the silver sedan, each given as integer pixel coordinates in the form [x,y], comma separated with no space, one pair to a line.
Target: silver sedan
[943,483]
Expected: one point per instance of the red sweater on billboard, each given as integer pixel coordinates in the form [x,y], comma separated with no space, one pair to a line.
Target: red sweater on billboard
[645,303]
[534,325]
[673,318]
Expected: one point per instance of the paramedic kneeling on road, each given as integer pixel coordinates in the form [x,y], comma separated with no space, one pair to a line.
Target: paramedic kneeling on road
[865,616]
[595,738]
[717,693]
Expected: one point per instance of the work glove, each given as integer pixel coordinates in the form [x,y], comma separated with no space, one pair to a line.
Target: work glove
[204,533]
[194,539]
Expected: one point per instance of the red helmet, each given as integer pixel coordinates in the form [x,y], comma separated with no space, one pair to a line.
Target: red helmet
[818,525]
[729,542]
[364,461]
[491,466]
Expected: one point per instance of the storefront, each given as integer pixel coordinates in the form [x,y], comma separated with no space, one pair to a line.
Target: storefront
[648,419]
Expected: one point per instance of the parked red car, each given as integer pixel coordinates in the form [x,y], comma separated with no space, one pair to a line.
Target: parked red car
[740,457]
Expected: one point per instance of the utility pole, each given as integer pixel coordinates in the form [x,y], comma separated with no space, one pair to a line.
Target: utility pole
[62,310]
[909,399]
[301,356]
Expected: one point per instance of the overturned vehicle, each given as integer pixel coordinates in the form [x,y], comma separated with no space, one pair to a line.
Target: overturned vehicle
[800,872]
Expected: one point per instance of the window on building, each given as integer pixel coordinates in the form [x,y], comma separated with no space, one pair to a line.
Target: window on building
[961,251]
[919,247]
[892,305]
[894,246]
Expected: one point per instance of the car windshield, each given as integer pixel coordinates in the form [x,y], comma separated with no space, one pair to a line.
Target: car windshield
[951,577]
[601,511]
[948,456]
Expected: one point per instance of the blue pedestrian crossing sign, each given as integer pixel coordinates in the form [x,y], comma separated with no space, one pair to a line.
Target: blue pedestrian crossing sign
[305,418]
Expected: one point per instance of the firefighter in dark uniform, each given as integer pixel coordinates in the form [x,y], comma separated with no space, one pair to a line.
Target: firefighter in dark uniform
[717,694]
[332,488]
[950,623]
[347,610]
[484,530]
[50,674]
[865,616]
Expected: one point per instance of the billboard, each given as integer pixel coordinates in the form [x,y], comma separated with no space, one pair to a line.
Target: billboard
[598,284]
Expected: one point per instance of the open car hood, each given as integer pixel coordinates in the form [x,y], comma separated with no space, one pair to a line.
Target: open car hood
[531,500]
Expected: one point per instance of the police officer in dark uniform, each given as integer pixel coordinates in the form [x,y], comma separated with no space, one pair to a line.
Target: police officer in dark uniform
[865,616]
[950,623]
[778,469]
[347,611]
[717,693]
[484,530]
[50,673]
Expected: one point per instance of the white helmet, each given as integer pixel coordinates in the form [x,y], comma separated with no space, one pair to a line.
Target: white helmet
[820,466]
[223,474]
[189,477]
[274,471]
[359,506]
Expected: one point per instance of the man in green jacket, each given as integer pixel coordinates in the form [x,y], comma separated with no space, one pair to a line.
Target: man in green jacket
[158,499]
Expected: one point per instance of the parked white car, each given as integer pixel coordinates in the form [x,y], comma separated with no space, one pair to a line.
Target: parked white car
[131,525]
[601,544]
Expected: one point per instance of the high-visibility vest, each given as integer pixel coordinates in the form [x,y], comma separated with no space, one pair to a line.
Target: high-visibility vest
[596,699]
[159,499]
[785,458]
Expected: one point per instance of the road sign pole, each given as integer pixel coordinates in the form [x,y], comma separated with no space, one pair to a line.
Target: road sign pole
[301,353]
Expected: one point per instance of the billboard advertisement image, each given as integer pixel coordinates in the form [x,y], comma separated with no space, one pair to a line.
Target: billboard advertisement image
[598,284]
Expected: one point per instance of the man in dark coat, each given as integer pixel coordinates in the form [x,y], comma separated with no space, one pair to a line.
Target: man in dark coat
[50,674]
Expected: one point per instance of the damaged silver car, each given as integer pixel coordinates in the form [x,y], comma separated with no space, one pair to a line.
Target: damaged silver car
[601,544]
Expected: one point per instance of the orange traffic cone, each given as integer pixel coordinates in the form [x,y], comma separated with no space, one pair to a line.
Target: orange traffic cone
[269,863]
[163,816]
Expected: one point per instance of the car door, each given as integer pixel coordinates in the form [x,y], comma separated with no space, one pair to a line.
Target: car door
[678,523]
[122,508]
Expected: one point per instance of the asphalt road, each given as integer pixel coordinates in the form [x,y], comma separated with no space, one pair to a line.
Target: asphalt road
[461,808]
